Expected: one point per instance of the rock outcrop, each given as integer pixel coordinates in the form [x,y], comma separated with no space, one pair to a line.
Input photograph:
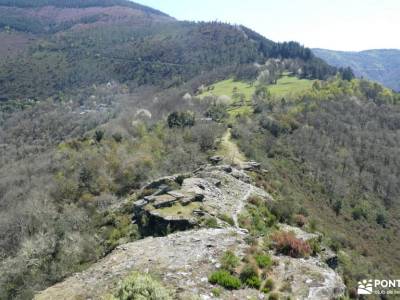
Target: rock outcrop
[309,278]
[184,259]
[182,202]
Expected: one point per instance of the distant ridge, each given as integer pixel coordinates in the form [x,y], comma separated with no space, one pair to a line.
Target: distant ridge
[381,65]
[79,4]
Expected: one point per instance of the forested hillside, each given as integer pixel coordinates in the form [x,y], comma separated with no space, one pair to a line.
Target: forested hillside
[97,42]
[49,17]
[78,4]
[378,65]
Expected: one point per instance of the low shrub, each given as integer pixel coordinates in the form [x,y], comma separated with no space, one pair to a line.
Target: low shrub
[216,292]
[98,135]
[257,219]
[253,282]
[265,290]
[263,261]
[300,220]
[117,137]
[283,210]
[315,246]
[211,222]
[269,284]
[256,201]
[273,296]
[229,261]
[287,244]
[139,286]
[225,279]
[359,213]
[227,219]
[381,219]
[249,276]
[313,225]
[335,244]
[286,287]
[248,271]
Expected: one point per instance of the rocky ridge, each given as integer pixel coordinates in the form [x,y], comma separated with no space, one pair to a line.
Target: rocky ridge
[179,207]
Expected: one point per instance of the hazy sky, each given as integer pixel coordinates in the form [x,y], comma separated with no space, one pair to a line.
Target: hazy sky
[333,24]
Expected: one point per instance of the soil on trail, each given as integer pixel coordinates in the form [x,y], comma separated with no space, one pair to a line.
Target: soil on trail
[230,151]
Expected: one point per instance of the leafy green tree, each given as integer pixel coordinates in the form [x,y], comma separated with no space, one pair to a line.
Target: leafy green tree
[98,135]
[337,207]
[181,119]
[381,219]
[346,73]
[217,112]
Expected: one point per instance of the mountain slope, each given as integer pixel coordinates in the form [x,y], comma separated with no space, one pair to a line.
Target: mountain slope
[60,46]
[379,65]
[79,4]
[41,17]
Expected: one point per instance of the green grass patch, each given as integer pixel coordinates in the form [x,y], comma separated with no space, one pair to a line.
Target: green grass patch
[257,218]
[229,261]
[227,219]
[210,222]
[289,85]
[285,86]
[249,276]
[216,292]
[227,87]
[179,210]
[241,92]
[264,261]
[240,110]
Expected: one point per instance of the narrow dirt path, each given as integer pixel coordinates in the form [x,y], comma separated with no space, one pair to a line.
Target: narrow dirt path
[241,205]
[230,151]
[232,155]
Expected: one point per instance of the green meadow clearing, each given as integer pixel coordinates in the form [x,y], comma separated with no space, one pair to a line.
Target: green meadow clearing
[226,87]
[289,85]
[285,86]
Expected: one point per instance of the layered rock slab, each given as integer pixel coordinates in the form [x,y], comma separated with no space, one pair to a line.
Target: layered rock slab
[210,191]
